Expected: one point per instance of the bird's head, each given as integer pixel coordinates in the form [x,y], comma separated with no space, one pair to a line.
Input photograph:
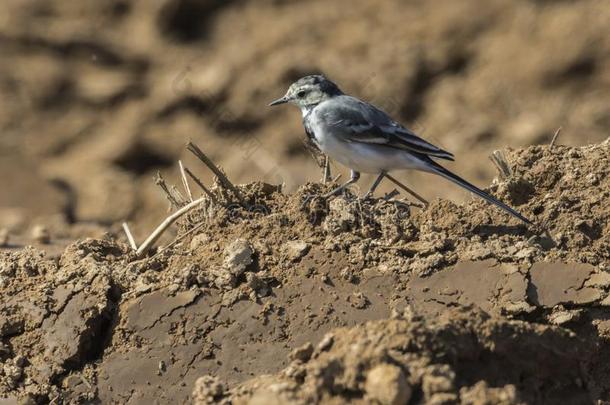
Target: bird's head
[309,91]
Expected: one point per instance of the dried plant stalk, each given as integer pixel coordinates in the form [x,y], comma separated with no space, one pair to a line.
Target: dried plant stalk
[194,149]
[206,190]
[132,241]
[172,194]
[498,158]
[554,138]
[185,181]
[408,190]
[156,234]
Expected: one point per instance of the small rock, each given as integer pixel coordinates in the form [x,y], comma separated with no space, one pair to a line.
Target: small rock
[296,249]
[222,278]
[41,234]
[358,300]
[208,390]
[348,275]
[326,342]
[302,353]
[386,384]
[562,316]
[238,256]
[257,284]
[341,217]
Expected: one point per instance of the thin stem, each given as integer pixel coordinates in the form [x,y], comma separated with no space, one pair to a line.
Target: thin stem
[132,241]
[206,190]
[407,189]
[221,176]
[554,138]
[147,244]
[185,182]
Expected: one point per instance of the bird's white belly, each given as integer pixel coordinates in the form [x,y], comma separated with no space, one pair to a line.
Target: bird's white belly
[368,158]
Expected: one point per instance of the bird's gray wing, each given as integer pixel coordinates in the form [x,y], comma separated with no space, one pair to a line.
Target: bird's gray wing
[357,121]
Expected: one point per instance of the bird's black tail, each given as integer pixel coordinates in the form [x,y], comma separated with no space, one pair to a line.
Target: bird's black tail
[441,171]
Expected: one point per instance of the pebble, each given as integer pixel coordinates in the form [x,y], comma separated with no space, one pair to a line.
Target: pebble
[302,353]
[386,384]
[238,256]
[41,234]
[296,249]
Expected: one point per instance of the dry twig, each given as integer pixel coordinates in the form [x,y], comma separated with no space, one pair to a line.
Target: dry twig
[181,237]
[391,195]
[185,181]
[498,158]
[147,244]
[130,238]
[194,149]
[408,190]
[172,194]
[557,132]
[206,190]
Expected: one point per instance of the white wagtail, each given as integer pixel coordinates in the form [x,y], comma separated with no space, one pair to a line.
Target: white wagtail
[366,139]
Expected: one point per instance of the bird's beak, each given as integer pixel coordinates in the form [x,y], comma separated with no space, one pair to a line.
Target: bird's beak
[279,101]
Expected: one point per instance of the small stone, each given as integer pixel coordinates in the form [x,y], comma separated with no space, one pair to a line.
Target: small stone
[257,284]
[562,316]
[358,300]
[348,275]
[326,342]
[302,353]
[208,390]
[238,256]
[41,234]
[222,278]
[386,384]
[296,249]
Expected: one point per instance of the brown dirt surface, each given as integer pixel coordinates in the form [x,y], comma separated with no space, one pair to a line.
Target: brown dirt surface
[99,96]
[288,298]
[293,299]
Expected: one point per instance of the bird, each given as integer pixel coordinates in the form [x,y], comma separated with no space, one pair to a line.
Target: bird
[366,139]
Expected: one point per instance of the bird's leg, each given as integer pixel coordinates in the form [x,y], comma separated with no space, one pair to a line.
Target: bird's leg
[374,185]
[354,176]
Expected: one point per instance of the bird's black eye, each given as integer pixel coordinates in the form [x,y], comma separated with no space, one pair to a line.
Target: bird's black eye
[301,94]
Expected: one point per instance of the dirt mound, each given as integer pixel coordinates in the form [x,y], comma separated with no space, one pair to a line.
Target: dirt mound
[464,356]
[453,303]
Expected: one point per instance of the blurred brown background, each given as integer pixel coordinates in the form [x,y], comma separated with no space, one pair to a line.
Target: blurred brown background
[98,96]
